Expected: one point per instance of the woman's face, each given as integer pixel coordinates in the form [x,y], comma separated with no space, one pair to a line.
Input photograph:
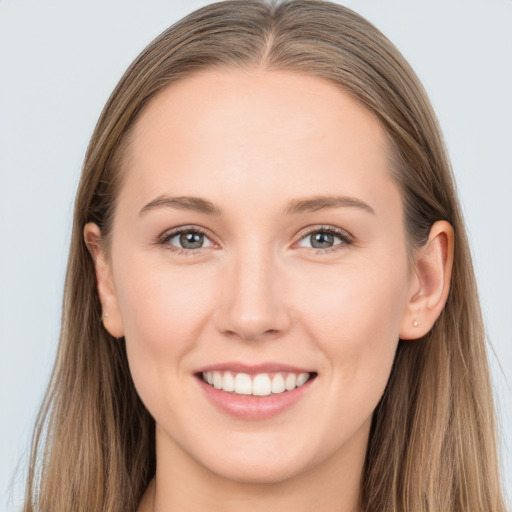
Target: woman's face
[258,237]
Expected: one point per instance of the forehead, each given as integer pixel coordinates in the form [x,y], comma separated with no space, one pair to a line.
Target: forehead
[256,131]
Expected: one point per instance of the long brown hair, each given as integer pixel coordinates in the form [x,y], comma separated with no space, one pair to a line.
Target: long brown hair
[432,445]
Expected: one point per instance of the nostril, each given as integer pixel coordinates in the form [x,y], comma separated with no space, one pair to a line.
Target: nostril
[248,333]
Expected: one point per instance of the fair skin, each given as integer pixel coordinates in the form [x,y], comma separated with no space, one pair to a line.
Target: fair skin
[328,289]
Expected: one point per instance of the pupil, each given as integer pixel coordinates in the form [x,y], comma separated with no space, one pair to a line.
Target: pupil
[191,240]
[322,240]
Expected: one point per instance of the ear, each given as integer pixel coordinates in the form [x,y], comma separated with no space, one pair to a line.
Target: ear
[430,284]
[113,322]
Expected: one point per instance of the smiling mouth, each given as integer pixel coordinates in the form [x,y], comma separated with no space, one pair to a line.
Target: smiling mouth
[261,384]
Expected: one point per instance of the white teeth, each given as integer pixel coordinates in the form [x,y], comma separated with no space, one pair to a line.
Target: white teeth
[262,384]
[243,384]
[228,382]
[217,380]
[278,383]
[302,379]
[291,382]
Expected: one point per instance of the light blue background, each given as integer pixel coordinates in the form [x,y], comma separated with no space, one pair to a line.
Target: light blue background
[59,61]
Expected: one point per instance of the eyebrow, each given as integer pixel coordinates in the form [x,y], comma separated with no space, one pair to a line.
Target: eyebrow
[297,206]
[182,203]
[313,204]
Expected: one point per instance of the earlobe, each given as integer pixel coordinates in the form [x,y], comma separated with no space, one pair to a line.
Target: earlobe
[111,315]
[431,284]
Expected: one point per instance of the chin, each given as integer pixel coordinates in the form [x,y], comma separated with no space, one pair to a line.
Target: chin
[271,463]
[257,472]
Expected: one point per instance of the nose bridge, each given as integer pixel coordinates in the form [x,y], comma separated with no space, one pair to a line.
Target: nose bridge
[252,304]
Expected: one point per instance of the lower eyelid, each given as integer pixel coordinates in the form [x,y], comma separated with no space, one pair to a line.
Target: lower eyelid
[169,235]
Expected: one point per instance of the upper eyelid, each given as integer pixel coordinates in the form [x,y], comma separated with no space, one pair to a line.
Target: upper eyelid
[169,233]
[319,228]
[166,236]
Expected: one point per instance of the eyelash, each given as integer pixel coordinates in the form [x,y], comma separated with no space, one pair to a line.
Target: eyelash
[345,239]
[169,235]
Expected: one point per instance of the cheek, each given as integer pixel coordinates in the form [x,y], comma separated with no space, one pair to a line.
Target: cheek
[355,317]
[160,303]
[163,313]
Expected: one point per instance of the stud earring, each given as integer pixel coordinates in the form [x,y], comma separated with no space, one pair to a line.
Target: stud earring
[104,316]
[415,323]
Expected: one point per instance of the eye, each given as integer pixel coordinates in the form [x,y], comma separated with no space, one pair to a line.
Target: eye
[186,239]
[324,239]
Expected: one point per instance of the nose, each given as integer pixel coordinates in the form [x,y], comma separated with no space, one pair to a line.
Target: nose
[252,303]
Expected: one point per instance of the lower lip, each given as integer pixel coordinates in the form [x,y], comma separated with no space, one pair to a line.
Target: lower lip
[250,407]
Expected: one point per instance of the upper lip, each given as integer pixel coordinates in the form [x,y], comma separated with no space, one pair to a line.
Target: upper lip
[253,369]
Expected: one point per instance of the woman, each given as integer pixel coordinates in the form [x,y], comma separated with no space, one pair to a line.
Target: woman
[250,153]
